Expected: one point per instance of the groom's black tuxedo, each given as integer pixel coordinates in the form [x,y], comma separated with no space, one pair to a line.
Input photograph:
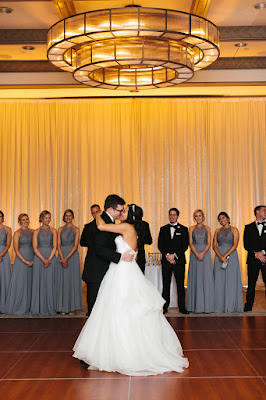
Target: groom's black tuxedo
[178,245]
[253,242]
[101,251]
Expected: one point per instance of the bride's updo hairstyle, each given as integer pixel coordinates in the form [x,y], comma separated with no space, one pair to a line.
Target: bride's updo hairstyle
[134,217]
[135,213]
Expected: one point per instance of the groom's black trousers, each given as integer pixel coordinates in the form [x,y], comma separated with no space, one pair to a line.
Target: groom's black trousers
[92,291]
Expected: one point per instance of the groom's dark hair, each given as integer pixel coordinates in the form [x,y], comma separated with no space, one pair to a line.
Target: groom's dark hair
[113,201]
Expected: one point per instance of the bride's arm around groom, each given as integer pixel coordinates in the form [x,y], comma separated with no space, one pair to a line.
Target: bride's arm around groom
[126,230]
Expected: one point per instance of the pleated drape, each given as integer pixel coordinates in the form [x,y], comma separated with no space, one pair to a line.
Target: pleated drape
[187,153]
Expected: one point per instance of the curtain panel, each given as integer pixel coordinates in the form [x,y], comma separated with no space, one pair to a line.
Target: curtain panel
[187,153]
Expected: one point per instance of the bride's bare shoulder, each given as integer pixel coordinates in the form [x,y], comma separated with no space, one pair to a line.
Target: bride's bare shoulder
[129,226]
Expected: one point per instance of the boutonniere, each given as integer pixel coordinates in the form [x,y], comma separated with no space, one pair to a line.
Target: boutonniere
[178,226]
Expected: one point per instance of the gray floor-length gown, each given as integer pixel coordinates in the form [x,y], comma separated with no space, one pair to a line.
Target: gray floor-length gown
[43,301]
[69,287]
[19,293]
[227,282]
[5,271]
[200,287]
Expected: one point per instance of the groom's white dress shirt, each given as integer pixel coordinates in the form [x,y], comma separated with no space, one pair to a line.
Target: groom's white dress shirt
[110,216]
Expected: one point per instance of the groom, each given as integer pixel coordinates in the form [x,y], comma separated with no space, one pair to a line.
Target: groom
[102,249]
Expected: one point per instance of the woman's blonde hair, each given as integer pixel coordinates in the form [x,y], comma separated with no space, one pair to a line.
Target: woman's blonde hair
[21,216]
[196,211]
[43,214]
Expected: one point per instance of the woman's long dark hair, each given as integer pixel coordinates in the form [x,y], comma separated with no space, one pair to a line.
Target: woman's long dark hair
[135,214]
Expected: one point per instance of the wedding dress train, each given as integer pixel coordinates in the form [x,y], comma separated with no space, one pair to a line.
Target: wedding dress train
[127,331]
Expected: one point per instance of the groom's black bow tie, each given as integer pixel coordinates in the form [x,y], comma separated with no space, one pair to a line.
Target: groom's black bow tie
[173,226]
[260,223]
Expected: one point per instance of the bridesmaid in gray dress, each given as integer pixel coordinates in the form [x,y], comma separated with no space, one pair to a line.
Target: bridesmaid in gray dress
[5,263]
[69,293]
[200,287]
[44,241]
[19,293]
[227,276]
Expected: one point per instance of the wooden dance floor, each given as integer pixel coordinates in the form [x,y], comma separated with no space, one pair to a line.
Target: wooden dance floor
[227,361]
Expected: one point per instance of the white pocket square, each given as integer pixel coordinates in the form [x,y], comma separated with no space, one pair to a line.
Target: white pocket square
[178,233]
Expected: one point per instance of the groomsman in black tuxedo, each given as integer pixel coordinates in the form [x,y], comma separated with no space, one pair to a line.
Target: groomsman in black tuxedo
[86,240]
[255,244]
[173,243]
[101,248]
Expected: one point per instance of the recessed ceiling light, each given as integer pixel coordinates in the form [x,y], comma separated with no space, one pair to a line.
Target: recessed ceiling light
[5,10]
[28,47]
[241,44]
[260,6]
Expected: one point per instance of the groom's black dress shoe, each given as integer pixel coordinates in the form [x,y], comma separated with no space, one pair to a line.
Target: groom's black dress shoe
[165,310]
[84,364]
[246,309]
[184,311]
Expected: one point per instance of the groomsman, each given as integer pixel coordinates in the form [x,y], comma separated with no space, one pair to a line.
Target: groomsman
[86,240]
[173,243]
[255,244]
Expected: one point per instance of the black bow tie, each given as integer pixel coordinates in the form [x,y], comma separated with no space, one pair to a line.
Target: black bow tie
[260,223]
[173,226]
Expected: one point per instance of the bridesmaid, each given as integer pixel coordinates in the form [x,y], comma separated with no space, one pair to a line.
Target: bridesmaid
[227,276]
[19,294]
[200,287]
[69,294]
[5,263]
[44,243]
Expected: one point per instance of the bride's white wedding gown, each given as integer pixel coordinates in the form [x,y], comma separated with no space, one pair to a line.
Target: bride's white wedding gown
[127,331]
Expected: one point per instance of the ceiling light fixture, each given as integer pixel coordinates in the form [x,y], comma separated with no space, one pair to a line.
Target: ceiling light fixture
[28,47]
[133,47]
[260,6]
[241,44]
[6,10]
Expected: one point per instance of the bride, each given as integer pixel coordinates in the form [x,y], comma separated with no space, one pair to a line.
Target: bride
[127,331]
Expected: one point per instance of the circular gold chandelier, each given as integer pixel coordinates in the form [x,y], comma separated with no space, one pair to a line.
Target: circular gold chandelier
[133,47]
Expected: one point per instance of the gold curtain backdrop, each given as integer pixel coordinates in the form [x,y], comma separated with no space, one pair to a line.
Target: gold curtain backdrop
[187,153]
